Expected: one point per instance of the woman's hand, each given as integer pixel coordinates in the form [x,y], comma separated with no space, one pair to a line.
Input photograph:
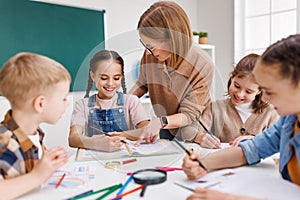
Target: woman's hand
[207,141]
[150,132]
[191,168]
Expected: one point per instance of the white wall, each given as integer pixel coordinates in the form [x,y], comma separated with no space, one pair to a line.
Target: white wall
[217,18]
[123,16]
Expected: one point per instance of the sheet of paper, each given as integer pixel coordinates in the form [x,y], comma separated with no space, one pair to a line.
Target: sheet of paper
[145,149]
[77,176]
[160,147]
[210,180]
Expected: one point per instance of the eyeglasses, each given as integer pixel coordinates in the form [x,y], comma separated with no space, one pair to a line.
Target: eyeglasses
[147,48]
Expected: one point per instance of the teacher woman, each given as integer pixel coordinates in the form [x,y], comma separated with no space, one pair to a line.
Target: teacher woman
[176,73]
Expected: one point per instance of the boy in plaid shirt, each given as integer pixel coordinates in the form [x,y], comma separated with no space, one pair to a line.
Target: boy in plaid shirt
[37,88]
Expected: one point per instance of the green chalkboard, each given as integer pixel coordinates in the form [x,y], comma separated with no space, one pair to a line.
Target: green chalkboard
[66,34]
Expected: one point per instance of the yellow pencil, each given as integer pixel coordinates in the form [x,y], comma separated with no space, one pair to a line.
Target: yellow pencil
[127,148]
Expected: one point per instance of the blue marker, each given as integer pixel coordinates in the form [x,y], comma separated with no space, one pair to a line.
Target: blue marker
[124,186]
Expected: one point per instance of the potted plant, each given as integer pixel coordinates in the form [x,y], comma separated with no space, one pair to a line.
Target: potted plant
[195,36]
[203,38]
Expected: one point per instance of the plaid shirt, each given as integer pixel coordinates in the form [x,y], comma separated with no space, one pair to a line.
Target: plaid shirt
[18,154]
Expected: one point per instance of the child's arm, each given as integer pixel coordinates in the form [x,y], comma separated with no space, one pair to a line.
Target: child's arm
[51,160]
[97,142]
[237,140]
[142,123]
[76,137]
[134,133]
[226,158]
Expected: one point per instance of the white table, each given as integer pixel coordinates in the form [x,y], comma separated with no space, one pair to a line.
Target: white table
[261,180]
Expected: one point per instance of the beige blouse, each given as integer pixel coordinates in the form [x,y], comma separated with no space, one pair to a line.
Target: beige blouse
[224,121]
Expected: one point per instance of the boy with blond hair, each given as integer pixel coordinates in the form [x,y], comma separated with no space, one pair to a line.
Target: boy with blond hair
[37,88]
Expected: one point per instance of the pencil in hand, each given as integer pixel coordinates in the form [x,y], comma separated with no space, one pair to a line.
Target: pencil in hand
[209,132]
[109,135]
[188,152]
[100,131]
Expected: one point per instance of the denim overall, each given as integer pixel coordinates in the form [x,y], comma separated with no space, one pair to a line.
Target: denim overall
[106,120]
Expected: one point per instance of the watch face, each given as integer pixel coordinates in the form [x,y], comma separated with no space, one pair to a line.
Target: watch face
[164,120]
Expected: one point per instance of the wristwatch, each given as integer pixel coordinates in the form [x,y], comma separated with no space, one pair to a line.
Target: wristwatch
[164,121]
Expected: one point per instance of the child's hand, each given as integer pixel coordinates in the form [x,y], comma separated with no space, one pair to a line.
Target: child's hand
[191,167]
[207,141]
[237,140]
[50,161]
[106,143]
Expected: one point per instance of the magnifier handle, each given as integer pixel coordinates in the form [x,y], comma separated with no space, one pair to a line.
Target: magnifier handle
[143,190]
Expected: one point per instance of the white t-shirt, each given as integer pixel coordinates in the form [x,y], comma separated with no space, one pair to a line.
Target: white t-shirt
[134,110]
[244,110]
[35,139]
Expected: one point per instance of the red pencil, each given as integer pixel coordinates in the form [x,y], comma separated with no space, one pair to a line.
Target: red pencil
[129,161]
[129,192]
[60,180]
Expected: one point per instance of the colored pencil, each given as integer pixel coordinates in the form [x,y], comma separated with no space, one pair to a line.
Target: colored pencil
[127,148]
[109,192]
[185,187]
[107,134]
[207,131]
[79,195]
[213,184]
[124,186]
[129,192]
[204,127]
[60,180]
[129,161]
[101,190]
[188,152]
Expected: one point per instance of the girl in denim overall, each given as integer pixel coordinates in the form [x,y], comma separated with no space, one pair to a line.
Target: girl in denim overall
[107,111]
[106,120]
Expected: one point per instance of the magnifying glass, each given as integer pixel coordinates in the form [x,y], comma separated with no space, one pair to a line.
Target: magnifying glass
[149,177]
[118,164]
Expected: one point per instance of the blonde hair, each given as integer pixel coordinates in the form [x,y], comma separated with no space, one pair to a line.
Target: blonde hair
[27,74]
[166,20]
